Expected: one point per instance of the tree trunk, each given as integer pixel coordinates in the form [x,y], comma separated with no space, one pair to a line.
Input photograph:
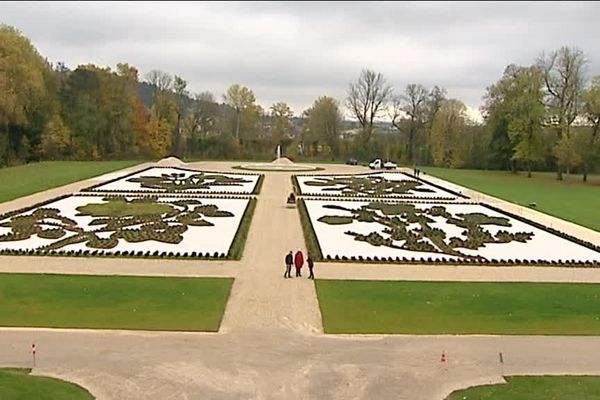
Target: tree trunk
[237,126]
[585,172]
[559,175]
[529,169]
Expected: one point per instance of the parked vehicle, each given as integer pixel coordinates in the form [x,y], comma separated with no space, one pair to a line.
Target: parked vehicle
[352,161]
[379,164]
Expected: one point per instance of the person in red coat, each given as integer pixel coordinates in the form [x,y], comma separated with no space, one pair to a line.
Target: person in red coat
[298,262]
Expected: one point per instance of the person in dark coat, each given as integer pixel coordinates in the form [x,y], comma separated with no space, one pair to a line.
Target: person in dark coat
[299,262]
[310,263]
[289,260]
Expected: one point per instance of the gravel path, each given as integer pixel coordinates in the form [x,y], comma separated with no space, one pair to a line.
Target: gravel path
[271,344]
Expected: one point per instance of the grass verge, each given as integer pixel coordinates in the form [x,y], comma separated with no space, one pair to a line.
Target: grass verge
[409,307]
[113,302]
[36,177]
[571,199]
[18,384]
[535,388]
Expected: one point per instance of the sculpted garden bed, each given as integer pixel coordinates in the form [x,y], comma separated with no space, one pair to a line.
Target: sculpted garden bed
[111,225]
[182,180]
[382,184]
[433,232]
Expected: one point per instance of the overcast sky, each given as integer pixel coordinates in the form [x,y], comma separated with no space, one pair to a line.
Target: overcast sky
[295,52]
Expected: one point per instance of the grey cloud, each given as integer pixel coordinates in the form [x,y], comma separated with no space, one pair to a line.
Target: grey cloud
[296,51]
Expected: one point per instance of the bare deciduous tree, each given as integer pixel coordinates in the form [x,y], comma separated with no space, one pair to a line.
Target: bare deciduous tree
[160,79]
[367,98]
[409,113]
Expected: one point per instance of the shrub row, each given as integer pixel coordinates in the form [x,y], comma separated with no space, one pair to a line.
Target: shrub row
[102,253]
[36,205]
[239,240]
[451,261]
[310,238]
[157,196]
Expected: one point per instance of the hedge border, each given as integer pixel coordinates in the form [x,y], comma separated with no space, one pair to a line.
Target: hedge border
[95,188]
[456,195]
[312,243]
[232,253]
[236,250]
[259,184]
[310,237]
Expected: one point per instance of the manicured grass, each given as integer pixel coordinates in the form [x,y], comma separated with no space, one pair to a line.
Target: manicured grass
[17,384]
[113,302]
[535,388]
[36,177]
[459,307]
[569,199]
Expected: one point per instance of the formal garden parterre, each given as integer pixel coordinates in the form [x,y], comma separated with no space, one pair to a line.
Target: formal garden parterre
[132,225]
[181,180]
[372,185]
[435,232]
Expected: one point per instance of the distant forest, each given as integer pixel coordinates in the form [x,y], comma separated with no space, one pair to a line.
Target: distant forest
[544,116]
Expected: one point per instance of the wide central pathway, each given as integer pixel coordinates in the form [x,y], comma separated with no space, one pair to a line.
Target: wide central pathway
[261,298]
[271,344]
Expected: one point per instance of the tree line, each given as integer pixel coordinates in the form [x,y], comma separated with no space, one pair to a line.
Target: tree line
[544,116]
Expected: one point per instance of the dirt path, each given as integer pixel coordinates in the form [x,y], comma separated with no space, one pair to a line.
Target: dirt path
[271,344]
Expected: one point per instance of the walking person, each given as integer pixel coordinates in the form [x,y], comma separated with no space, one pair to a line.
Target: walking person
[289,260]
[299,262]
[311,264]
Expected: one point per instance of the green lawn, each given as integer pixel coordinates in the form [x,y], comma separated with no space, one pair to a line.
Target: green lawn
[459,307]
[36,177]
[535,388]
[570,199]
[113,302]
[17,384]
